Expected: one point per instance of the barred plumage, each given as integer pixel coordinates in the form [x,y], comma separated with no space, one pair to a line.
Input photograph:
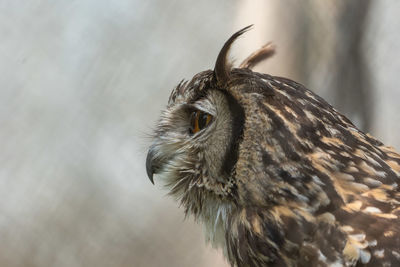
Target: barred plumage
[278,177]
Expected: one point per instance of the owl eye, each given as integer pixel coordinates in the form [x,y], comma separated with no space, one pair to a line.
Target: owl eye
[198,121]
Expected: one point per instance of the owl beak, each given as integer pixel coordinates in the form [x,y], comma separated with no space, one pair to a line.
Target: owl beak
[150,167]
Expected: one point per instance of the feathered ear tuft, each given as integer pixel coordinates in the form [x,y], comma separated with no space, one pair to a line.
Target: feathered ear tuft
[259,55]
[222,66]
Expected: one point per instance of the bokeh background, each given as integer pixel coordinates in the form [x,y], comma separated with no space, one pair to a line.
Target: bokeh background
[83,82]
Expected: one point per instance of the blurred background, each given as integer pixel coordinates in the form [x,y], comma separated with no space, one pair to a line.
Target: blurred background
[83,82]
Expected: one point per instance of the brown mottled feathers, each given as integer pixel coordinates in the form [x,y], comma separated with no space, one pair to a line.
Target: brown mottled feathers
[340,203]
[279,177]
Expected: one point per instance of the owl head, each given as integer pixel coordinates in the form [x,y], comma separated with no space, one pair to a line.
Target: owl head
[234,140]
[277,176]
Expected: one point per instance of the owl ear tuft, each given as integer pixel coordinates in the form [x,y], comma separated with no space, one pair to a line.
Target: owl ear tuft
[222,66]
[263,53]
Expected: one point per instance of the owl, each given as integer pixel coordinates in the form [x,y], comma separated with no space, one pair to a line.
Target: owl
[276,175]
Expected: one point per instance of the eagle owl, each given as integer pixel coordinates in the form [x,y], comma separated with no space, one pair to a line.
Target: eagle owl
[277,176]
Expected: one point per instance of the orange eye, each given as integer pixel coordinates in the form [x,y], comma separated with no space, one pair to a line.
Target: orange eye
[198,121]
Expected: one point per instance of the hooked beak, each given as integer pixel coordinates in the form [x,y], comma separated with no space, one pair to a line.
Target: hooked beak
[154,162]
[150,167]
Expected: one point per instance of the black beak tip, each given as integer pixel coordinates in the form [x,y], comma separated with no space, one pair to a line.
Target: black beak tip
[151,178]
[149,166]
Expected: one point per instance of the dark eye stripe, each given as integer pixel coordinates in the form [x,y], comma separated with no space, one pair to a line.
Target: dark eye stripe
[232,153]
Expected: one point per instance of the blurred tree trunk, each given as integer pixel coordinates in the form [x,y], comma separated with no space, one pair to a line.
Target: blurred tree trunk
[346,77]
[351,77]
[319,44]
